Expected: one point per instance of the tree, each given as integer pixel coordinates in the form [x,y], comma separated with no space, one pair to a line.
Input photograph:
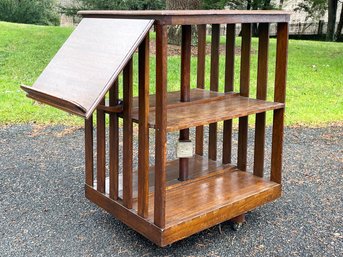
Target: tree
[315,9]
[78,5]
[174,32]
[41,12]
[332,11]
[339,26]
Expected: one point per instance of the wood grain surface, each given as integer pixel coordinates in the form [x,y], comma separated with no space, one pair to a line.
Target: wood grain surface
[88,63]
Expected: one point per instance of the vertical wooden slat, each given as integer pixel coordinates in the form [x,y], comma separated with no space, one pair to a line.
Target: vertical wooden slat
[261,93]
[101,151]
[143,133]
[185,89]
[89,151]
[214,77]
[161,124]
[127,135]
[229,87]
[113,143]
[244,91]
[279,96]
[199,133]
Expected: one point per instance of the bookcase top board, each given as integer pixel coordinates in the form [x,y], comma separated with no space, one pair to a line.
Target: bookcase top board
[191,17]
[83,70]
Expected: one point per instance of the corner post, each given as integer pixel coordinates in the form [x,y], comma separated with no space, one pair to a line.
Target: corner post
[279,96]
[161,126]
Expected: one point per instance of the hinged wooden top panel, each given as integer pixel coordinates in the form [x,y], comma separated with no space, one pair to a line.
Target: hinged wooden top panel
[85,67]
[182,17]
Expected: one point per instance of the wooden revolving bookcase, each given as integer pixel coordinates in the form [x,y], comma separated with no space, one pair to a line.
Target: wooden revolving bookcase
[174,199]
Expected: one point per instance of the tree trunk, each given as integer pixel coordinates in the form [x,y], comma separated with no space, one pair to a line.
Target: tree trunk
[174,32]
[332,10]
[340,26]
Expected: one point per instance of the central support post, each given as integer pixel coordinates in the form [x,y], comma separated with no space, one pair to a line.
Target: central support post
[185,90]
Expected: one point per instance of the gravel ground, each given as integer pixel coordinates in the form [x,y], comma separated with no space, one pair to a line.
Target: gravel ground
[43,211]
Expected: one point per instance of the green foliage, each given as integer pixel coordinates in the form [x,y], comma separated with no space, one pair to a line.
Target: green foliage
[41,12]
[213,4]
[315,9]
[250,4]
[112,5]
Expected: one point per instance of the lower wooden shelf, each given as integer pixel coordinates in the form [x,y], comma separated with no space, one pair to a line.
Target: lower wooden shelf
[215,193]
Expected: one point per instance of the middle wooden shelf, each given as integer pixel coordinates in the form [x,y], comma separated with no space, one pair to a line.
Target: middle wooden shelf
[205,107]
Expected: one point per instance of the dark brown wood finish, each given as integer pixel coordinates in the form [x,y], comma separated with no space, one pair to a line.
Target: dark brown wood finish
[83,70]
[124,214]
[214,80]
[194,17]
[229,106]
[101,149]
[279,96]
[153,200]
[185,89]
[89,159]
[143,133]
[261,93]
[199,134]
[229,87]
[161,125]
[244,91]
[127,134]
[113,143]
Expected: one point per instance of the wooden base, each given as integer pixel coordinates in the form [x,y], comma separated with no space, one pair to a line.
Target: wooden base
[215,193]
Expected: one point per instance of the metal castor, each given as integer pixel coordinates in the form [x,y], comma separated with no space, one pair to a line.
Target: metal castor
[236,226]
[238,222]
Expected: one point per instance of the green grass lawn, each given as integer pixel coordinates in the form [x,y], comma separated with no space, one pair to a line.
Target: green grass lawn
[314,87]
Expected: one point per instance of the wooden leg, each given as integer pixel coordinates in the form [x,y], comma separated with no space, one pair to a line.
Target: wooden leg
[127,135]
[161,124]
[279,96]
[101,149]
[113,144]
[89,151]
[143,137]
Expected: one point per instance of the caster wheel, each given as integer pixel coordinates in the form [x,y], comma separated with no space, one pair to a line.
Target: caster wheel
[236,226]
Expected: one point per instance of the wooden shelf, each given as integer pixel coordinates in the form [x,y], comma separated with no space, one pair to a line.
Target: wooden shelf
[211,186]
[199,168]
[228,188]
[206,107]
[213,194]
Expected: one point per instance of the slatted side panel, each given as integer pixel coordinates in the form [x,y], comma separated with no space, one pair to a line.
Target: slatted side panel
[261,93]
[113,143]
[127,134]
[185,90]
[101,148]
[199,134]
[214,78]
[143,131]
[244,91]
[279,96]
[161,124]
[229,86]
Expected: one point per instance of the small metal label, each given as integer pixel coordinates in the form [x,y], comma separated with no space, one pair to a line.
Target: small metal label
[184,149]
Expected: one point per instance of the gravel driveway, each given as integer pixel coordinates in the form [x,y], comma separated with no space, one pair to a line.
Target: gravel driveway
[43,211]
